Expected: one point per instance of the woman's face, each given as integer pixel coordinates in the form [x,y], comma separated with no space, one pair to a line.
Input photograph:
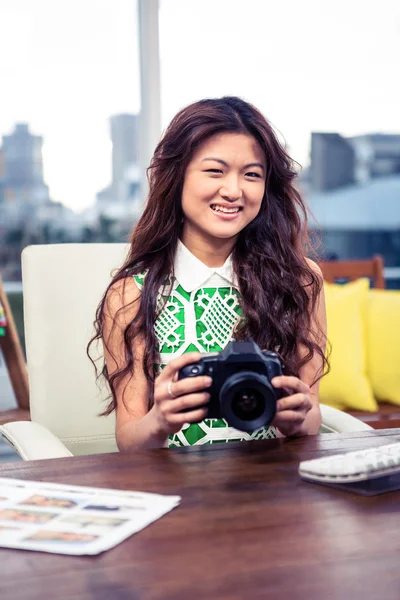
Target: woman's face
[223,187]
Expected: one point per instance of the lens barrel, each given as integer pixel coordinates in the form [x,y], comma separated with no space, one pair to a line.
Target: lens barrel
[247,401]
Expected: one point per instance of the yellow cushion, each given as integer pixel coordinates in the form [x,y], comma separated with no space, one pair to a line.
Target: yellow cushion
[347,385]
[383,344]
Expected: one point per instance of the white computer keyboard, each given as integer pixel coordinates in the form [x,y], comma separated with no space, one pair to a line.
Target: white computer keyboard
[360,465]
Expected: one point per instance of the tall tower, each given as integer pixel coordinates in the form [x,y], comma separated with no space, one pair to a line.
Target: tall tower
[23,157]
[22,167]
[124,137]
[121,197]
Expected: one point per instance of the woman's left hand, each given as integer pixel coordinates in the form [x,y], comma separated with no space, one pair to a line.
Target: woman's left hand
[292,408]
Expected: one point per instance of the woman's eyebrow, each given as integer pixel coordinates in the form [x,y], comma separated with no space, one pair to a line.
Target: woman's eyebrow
[222,162]
[218,160]
[255,164]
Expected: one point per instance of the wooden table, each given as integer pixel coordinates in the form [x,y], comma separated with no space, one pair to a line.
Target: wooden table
[247,528]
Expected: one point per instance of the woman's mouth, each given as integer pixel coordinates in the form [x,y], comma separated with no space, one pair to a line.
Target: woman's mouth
[228,210]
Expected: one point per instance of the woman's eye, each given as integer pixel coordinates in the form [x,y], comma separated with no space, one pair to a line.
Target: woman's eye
[213,171]
[253,175]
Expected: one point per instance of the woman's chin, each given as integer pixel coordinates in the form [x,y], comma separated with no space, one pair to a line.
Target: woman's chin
[221,231]
[224,233]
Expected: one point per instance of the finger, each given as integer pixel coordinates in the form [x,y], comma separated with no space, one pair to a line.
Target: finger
[190,384]
[293,383]
[289,416]
[177,363]
[296,401]
[194,416]
[189,401]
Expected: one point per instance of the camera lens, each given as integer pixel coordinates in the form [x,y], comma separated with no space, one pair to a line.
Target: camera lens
[247,401]
[248,404]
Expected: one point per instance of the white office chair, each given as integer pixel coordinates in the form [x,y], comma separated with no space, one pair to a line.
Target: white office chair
[337,421]
[62,286]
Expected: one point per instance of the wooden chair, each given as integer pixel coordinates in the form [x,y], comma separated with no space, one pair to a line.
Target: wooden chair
[350,270]
[15,363]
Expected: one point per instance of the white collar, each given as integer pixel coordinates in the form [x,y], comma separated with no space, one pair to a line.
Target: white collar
[191,273]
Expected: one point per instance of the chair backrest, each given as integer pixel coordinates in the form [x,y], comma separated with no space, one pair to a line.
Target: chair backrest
[350,270]
[62,286]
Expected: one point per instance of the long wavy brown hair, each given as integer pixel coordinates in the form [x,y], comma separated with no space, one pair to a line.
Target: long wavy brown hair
[278,288]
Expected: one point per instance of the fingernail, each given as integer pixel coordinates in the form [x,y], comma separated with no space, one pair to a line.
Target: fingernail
[276,380]
[208,381]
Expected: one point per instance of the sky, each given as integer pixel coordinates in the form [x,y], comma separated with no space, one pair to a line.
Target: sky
[66,66]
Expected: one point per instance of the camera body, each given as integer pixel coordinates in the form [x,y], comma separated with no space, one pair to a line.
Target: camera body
[241,391]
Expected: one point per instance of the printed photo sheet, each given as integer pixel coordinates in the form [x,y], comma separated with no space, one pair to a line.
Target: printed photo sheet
[67,519]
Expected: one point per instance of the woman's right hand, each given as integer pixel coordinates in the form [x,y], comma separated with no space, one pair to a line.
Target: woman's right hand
[171,396]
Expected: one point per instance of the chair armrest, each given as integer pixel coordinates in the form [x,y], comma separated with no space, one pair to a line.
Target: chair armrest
[337,421]
[32,441]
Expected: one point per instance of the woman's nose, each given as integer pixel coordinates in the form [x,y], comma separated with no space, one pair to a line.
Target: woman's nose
[231,189]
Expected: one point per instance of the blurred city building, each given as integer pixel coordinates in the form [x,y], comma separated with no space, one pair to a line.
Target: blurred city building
[336,161]
[124,137]
[353,191]
[332,161]
[376,155]
[121,201]
[21,174]
[27,213]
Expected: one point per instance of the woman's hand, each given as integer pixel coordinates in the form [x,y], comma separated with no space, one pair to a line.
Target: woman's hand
[171,396]
[292,409]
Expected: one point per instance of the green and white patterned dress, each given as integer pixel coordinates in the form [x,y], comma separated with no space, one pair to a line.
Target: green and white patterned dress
[200,315]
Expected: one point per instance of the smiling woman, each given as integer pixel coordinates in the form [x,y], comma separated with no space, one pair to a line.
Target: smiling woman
[227,177]
[219,254]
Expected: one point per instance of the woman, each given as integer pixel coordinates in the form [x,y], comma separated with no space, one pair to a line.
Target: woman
[218,254]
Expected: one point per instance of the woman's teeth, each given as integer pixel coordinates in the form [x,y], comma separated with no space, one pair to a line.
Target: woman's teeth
[225,209]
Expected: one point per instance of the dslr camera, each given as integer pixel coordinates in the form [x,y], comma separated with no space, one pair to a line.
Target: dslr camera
[241,391]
